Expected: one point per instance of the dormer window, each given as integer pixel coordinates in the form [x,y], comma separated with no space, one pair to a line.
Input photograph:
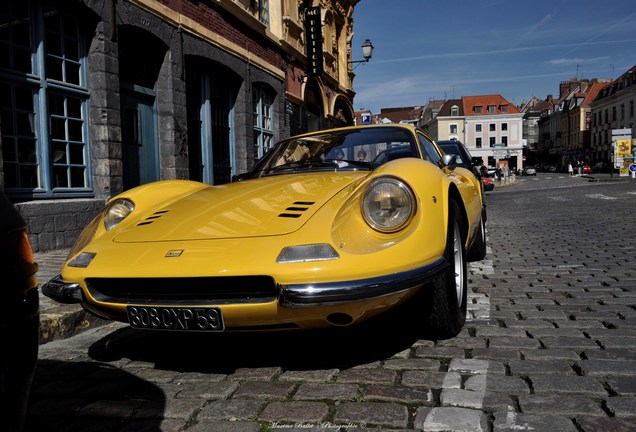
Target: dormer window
[454,111]
[503,108]
[492,109]
[477,109]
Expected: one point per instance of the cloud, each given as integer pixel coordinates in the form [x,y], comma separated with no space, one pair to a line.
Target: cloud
[501,51]
[578,61]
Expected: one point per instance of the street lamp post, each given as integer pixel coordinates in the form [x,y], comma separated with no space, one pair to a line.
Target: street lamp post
[367,53]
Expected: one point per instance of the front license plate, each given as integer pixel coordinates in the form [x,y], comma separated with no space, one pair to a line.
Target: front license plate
[175,318]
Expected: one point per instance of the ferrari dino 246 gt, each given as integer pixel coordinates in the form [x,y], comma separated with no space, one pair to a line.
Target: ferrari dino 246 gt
[329,228]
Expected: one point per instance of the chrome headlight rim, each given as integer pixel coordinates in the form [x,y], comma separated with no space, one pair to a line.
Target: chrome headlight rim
[403,220]
[116,211]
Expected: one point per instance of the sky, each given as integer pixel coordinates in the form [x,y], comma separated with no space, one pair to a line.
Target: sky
[440,49]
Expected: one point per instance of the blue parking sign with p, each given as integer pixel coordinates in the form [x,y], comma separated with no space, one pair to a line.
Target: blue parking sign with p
[366,118]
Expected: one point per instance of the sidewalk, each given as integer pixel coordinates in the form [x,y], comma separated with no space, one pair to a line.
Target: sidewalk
[58,321]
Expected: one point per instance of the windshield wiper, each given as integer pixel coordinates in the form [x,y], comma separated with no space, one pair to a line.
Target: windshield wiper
[307,163]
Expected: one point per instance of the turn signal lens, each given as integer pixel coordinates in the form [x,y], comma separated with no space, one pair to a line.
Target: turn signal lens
[388,205]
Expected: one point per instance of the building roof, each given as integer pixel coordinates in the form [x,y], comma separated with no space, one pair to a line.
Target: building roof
[445,110]
[484,101]
[396,115]
[593,91]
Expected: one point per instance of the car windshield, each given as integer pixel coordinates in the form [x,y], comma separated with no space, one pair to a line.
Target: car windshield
[344,149]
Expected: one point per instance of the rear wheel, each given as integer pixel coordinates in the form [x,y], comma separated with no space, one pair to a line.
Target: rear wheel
[448,293]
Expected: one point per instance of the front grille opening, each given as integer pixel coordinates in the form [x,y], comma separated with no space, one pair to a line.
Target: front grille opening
[195,290]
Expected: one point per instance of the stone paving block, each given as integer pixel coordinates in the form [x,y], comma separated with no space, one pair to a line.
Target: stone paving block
[463,398]
[544,315]
[434,380]
[623,407]
[562,404]
[507,421]
[309,376]
[397,393]
[530,324]
[550,354]
[577,343]
[251,374]
[372,414]
[614,342]
[264,390]
[497,383]
[370,376]
[157,375]
[320,391]
[295,411]
[412,364]
[463,342]
[224,426]
[473,366]
[211,390]
[232,409]
[500,332]
[443,419]
[437,352]
[609,354]
[607,424]
[196,377]
[501,355]
[582,324]
[623,385]
[526,367]
[514,342]
[581,385]
[608,368]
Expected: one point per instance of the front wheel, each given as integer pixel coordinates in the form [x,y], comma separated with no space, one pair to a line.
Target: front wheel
[448,293]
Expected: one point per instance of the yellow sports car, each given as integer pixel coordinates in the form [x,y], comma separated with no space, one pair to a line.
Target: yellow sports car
[329,228]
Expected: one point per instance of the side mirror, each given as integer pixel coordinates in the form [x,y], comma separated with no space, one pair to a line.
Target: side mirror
[448,159]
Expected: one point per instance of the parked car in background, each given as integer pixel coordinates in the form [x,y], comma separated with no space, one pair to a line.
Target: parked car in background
[529,171]
[465,160]
[587,169]
[463,156]
[488,182]
[20,317]
[305,239]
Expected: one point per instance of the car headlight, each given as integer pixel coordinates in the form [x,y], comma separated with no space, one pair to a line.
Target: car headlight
[116,212]
[388,204]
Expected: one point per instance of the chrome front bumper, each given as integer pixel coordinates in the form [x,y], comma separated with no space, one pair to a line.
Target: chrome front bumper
[303,295]
[62,292]
[323,294]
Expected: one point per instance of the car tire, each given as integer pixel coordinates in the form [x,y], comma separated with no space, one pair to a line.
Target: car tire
[448,295]
[478,249]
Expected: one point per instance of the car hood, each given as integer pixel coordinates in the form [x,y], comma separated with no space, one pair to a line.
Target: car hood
[269,206]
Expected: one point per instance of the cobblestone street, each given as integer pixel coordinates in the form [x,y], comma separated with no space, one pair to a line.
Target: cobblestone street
[550,345]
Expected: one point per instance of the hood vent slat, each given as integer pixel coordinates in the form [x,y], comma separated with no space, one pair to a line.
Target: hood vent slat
[297,206]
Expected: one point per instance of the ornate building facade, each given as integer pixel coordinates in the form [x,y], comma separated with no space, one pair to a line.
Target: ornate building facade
[102,96]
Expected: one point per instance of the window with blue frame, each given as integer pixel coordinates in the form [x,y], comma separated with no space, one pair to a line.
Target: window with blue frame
[263,12]
[43,101]
[263,127]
